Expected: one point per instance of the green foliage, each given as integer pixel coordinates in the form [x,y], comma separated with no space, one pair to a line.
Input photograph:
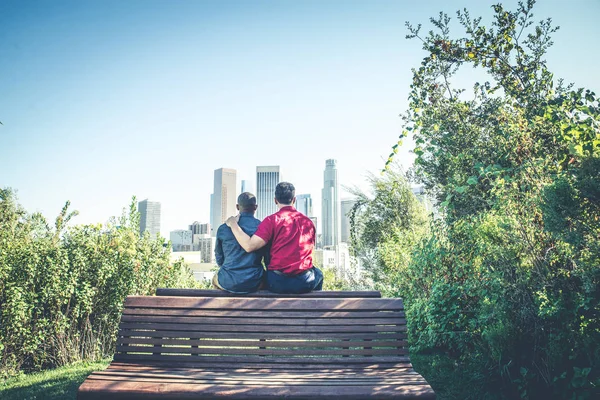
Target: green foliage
[386,225]
[62,289]
[508,282]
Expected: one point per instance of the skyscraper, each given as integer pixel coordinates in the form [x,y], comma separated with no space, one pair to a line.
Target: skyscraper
[347,205]
[247,186]
[304,204]
[330,209]
[266,179]
[149,216]
[223,198]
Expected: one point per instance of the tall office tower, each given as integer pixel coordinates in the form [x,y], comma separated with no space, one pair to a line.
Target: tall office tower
[347,205]
[330,208]
[266,180]
[149,217]
[304,204]
[247,186]
[224,197]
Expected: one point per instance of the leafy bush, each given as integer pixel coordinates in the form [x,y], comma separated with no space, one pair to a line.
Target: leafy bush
[507,283]
[62,289]
[386,224]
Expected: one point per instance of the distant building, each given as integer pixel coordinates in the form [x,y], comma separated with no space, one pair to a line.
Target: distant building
[304,204]
[212,217]
[330,209]
[206,246]
[181,240]
[338,259]
[149,217]
[317,236]
[201,271]
[267,178]
[199,229]
[346,206]
[247,186]
[224,198]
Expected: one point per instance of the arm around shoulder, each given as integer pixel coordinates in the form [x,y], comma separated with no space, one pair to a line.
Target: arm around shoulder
[248,243]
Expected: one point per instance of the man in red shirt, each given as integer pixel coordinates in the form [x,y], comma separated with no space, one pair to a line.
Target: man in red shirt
[291,236]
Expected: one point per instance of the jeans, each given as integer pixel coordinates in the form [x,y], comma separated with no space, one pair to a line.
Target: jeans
[306,282]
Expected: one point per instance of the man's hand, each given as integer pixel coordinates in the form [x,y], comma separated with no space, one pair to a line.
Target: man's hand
[232,220]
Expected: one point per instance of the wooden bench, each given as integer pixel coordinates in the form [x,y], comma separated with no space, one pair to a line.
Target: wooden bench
[297,348]
[265,293]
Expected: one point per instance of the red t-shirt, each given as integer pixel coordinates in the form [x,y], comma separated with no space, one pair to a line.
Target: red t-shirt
[292,236]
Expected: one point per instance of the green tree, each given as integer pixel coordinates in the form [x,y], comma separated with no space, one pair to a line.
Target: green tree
[507,284]
[385,225]
[62,288]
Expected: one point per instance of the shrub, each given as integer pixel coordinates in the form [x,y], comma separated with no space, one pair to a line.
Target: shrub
[62,290]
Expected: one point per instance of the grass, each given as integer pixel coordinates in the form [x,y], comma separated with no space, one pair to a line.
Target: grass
[60,383]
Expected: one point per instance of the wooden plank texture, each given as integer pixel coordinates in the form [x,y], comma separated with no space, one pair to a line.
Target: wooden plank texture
[263,321]
[236,303]
[132,389]
[165,332]
[258,343]
[265,293]
[292,314]
[259,347]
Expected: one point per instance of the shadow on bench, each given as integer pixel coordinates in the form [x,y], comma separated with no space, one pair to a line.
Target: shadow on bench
[299,348]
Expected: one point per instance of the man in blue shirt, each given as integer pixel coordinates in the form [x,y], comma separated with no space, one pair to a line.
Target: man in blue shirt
[239,271]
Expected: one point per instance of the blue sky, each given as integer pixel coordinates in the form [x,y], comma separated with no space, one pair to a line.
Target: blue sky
[102,100]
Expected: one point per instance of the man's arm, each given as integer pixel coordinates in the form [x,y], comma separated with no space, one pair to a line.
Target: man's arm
[248,243]
[219,256]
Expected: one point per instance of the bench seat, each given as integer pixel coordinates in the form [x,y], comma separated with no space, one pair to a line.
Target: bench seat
[266,293]
[240,348]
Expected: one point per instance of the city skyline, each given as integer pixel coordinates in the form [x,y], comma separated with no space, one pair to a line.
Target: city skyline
[105,100]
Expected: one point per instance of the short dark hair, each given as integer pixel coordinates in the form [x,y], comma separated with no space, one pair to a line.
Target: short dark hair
[246,201]
[285,193]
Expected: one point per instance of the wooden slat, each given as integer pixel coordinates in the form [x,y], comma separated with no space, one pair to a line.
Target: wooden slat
[232,303]
[176,312]
[262,321]
[185,347]
[165,332]
[194,365]
[268,330]
[257,343]
[264,293]
[98,389]
[266,351]
[258,359]
[264,381]
[367,371]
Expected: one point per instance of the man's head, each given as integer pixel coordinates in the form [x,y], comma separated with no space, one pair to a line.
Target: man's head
[285,194]
[246,202]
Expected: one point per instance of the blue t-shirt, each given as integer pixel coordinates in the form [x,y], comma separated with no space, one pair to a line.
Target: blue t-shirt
[239,271]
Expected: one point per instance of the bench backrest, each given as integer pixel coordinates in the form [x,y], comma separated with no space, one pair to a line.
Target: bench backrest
[264,293]
[219,331]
